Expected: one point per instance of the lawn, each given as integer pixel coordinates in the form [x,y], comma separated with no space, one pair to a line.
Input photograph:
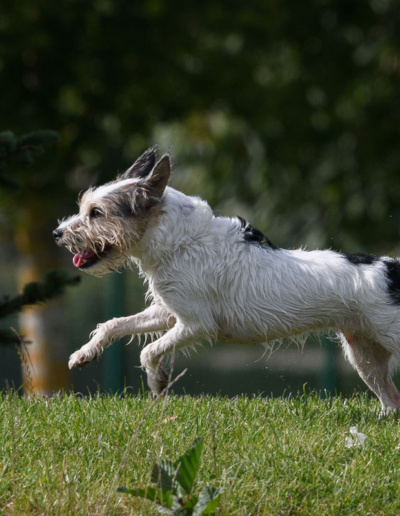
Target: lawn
[68,455]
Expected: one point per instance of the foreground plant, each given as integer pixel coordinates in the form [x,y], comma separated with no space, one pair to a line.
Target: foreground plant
[174,481]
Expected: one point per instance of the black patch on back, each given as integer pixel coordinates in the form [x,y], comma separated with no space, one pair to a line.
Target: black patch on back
[255,236]
[361,258]
[393,279]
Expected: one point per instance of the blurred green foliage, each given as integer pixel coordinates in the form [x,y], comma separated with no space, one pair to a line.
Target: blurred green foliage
[286,110]
[21,151]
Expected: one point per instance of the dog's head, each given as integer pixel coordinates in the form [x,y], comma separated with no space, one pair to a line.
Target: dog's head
[113,218]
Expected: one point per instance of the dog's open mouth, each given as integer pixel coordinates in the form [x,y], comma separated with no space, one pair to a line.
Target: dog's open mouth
[87,258]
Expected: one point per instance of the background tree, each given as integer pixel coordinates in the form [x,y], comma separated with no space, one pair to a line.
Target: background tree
[311,92]
[19,153]
[281,111]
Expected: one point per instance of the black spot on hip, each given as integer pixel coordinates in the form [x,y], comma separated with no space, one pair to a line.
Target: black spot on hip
[361,258]
[393,279]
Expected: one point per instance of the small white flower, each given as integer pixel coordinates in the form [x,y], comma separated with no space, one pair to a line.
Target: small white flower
[358,438]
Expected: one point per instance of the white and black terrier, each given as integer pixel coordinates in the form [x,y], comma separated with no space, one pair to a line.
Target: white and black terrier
[220,279]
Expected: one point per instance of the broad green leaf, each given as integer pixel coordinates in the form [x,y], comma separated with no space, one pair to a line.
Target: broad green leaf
[207,502]
[188,465]
[190,504]
[163,474]
[165,510]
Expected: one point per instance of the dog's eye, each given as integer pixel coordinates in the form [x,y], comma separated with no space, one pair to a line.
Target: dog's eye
[95,213]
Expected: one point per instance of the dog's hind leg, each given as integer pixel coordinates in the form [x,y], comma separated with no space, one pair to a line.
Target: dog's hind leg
[372,362]
[151,356]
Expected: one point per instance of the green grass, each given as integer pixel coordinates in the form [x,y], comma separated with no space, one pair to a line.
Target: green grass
[68,455]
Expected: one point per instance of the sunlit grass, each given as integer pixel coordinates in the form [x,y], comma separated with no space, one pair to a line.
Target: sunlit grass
[67,455]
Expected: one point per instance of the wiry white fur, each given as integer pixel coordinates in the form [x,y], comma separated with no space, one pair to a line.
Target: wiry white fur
[103,191]
[235,291]
[207,282]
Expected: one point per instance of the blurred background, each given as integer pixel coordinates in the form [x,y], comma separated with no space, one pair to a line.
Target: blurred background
[284,112]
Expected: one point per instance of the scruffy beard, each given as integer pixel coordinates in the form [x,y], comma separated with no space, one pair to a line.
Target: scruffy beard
[98,264]
[99,256]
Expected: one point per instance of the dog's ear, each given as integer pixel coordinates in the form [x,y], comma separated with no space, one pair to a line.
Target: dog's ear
[148,190]
[142,166]
[156,182]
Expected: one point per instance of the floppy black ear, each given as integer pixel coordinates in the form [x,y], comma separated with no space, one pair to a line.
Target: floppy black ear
[142,166]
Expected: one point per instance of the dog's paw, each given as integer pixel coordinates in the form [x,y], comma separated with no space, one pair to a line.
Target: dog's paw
[157,380]
[147,359]
[90,351]
[83,356]
[77,359]
[157,377]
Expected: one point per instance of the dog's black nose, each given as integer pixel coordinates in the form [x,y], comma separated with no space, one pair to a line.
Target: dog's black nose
[57,233]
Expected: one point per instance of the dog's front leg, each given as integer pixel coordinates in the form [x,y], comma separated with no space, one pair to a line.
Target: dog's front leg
[153,319]
[151,356]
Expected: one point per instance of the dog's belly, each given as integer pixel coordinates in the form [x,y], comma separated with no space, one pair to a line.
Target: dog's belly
[282,325]
[229,338]
[254,338]
[246,334]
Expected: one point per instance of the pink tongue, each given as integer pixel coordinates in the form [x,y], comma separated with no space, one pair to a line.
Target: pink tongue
[80,258]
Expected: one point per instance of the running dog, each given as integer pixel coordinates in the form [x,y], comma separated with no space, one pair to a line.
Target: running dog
[220,279]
